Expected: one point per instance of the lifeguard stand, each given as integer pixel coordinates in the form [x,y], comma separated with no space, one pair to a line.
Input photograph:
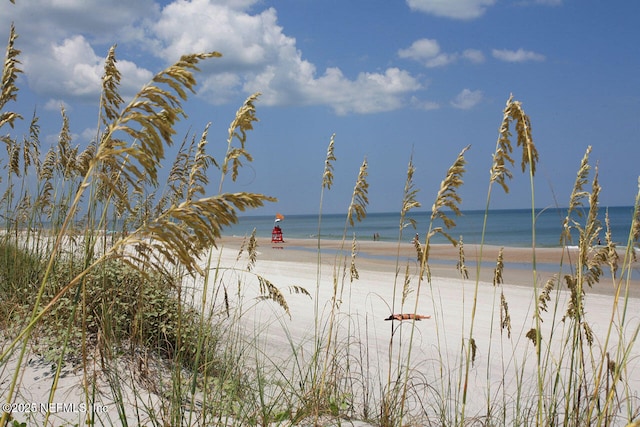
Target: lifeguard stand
[276,235]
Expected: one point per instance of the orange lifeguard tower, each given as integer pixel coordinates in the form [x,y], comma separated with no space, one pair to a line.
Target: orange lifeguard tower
[276,233]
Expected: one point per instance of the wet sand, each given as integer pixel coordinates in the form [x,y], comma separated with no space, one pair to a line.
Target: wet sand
[443,258]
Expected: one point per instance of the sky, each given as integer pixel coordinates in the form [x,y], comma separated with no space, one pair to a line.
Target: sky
[393,80]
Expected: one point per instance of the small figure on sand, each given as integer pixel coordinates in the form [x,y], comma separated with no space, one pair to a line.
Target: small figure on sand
[407,316]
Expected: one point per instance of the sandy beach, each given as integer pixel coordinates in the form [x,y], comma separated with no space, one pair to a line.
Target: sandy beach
[504,362]
[448,299]
[382,256]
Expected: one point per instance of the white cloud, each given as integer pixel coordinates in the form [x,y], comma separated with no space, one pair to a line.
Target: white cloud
[421,49]
[467,99]
[55,105]
[519,55]
[424,105]
[473,55]
[427,52]
[259,57]
[67,41]
[455,9]
[71,69]
[368,93]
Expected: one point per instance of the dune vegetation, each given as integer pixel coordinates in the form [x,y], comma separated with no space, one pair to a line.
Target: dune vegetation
[114,277]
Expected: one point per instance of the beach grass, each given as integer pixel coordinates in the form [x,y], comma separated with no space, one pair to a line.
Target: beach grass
[124,287]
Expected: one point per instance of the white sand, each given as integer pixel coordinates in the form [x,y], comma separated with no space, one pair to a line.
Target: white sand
[499,360]
[365,304]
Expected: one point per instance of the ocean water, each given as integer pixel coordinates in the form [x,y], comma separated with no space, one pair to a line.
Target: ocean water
[505,227]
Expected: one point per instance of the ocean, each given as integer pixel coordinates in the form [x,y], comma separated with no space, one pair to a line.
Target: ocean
[505,227]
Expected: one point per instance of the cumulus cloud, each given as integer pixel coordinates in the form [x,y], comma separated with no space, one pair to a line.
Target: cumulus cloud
[72,69]
[473,55]
[368,93]
[519,55]
[258,56]
[458,9]
[427,52]
[59,41]
[467,99]
[56,105]
[423,104]
[69,40]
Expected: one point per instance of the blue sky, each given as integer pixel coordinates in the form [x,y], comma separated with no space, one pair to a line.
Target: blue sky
[389,78]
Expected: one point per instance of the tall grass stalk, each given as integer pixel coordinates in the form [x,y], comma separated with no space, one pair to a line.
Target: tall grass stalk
[356,212]
[327,182]
[409,202]
[447,197]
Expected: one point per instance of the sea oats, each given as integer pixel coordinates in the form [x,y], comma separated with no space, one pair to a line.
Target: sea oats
[588,333]
[271,292]
[183,231]
[578,194]
[327,175]
[48,165]
[505,317]
[575,296]
[523,130]
[545,296]
[611,257]
[66,155]
[22,211]
[31,147]
[295,289]
[460,265]
[198,172]
[499,170]
[359,197]
[8,89]
[497,272]
[121,200]
[43,203]
[406,290]
[409,198]
[252,250]
[243,122]
[177,180]
[85,158]
[353,271]
[534,335]
[474,349]
[149,119]
[13,152]
[111,101]
[422,258]
[589,236]
[448,197]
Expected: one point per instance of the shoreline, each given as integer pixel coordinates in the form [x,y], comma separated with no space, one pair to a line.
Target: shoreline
[443,258]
